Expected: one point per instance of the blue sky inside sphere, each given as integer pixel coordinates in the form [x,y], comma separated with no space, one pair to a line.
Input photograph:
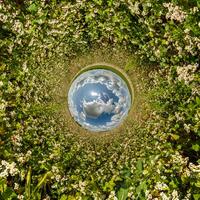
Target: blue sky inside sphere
[99,100]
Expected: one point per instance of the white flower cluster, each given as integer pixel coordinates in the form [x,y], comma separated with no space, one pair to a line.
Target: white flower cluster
[178,159]
[56,173]
[194,168]
[134,8]
[174,12]
[22,158]
[192,43]
[112,196]
[194,10]
[161,186]
[3,105]
[81,186]
[16,140]
[20,197]
[175,195]
[186,73]
[164,196]
[8,169]
[179,116]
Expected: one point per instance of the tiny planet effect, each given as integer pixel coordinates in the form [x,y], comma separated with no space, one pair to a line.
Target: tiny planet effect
[99,100]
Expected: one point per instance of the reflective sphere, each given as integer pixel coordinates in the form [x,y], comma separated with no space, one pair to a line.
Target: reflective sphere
[99,99]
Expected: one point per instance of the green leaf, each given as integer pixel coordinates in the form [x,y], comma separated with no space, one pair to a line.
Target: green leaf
[175,137]
[140,188]
[28,184]
[198,100]
[122,194]
[33,8]
[9,194]
[3,185]
[139,166]
[197,184]
[63,197]
[42,182]
[195,147]
[109,185]
[196,196]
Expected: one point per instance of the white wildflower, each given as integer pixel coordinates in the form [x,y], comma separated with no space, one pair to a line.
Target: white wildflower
[21,159]
[194,10]
[46,198]
[16,140]
[175,195]
[161,186]
[164,196]
[3,105]
[4,173]
[186,30]
[18,27]
[186,172]
[24,67]
[112,196]
[13,169]
[20,197]
[149,197]
[179,117]
[16,186]
[194,168]
[186,73]
[29,153]
[82,185]
[58,177]
[188,196]
[1,83]
[174,12]
[134,8]
[8,168]
[187,128]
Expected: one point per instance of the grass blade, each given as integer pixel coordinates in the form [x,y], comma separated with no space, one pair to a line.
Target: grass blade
[41,182]
[28,184]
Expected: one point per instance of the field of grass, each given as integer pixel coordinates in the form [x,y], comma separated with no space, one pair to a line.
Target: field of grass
[154,154]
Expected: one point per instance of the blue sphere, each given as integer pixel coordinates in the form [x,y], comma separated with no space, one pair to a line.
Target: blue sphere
[99,100]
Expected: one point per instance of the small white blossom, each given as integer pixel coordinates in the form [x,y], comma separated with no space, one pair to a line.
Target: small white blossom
[174,12]
[187,128]
[24,67]
[112,196]
[186,73]
[16,140]
[164,196]
[175,195]
[8,168]
[16,186]
[161,186]
[20,197]
[194,168]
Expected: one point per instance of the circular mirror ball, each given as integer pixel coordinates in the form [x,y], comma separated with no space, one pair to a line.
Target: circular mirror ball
[99,100]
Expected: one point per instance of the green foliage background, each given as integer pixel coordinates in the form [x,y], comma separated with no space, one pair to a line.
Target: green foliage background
[42,155]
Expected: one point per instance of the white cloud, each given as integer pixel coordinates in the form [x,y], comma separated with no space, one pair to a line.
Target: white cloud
[94,93]
[82,116]
[104,77]
[96,107]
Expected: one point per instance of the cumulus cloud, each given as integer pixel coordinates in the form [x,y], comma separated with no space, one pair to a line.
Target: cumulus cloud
[93,109]
[82,116]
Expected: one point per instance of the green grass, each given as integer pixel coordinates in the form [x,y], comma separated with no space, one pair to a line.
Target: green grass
[155,153]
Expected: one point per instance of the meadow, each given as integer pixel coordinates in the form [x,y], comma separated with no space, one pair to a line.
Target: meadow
[154,154]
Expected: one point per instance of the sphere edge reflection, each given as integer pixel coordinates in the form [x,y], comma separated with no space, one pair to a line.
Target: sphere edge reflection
[99,99]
